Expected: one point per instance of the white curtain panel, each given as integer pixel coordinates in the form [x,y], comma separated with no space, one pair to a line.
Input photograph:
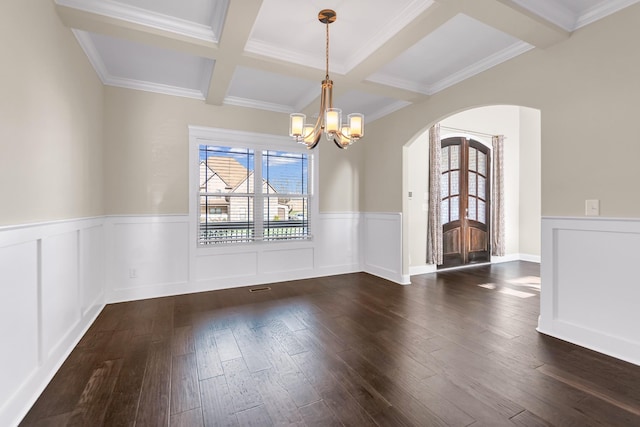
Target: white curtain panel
[434,221]
[497,198]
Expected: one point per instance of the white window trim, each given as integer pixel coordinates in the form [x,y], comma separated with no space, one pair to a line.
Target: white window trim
[199,135]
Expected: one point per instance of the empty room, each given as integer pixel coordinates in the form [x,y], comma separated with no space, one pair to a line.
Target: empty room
[315,213]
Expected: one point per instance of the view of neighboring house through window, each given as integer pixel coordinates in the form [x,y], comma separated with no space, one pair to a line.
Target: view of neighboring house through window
[230,206]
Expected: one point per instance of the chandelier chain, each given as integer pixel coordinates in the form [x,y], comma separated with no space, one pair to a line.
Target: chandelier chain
[327,51]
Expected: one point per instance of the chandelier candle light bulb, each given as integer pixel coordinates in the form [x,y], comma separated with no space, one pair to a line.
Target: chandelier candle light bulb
[330,119]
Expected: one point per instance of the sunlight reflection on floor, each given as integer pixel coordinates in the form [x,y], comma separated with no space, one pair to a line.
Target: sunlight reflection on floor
[531,283]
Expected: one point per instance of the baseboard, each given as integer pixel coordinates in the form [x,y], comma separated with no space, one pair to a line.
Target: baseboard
[13,411]
[602,343]
[422,269]
[430,268]
[401,279]
[530,258]
[180,288]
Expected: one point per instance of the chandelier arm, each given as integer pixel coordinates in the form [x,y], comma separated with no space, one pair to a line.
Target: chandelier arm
[315,130]
[315,141]
[347,136]
[338,144]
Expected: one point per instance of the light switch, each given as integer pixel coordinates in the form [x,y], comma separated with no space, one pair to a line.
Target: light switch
[592,207]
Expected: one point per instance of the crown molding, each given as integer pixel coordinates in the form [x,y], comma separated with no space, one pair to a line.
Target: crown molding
[159,21]
[409,85]
[265,49]
[155,88]
[601,10]
[252,103]
[484,64]
[89,48]
[391,108]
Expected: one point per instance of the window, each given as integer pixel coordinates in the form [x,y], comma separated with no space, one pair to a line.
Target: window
[286,195]
[252,193]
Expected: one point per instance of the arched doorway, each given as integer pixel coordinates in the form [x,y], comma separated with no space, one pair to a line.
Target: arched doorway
[522,129]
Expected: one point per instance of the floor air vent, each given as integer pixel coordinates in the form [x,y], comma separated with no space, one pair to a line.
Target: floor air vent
[264,289]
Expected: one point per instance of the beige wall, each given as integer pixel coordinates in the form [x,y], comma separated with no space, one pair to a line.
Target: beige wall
[50,119]
[587,89]
[530,181]
[146,152]
[52,112]
[416,161]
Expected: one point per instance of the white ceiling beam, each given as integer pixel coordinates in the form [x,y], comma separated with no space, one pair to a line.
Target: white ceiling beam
[235,33]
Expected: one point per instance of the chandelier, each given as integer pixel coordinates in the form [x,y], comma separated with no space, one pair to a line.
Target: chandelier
[330,119]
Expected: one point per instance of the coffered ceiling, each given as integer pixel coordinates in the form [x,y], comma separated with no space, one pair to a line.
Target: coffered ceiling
[269,54]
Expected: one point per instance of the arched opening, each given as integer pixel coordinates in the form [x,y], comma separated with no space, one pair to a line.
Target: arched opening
[521,128]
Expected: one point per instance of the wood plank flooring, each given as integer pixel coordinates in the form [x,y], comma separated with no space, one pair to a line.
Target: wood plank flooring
[455,348]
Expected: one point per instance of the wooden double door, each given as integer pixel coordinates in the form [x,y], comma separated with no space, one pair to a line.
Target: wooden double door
[464,202]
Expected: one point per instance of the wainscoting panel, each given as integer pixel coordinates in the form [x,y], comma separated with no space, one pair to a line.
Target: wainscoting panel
[18,317]
[590,290]
[152,256]
[226,266]
[149,250]
[382,246]
[286,260]
[51,290]
[337,236]
[61,308]
[92,268]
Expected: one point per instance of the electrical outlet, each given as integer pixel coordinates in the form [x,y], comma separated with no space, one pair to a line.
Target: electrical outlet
[592,207]
[133,273]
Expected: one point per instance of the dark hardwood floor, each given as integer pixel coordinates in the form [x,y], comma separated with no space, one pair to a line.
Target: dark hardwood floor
[344,350]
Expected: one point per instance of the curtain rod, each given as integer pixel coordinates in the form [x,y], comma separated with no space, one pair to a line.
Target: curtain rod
[469,131]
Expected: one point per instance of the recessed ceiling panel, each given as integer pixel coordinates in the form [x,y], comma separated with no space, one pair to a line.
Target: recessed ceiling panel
[128,63]
[372,106]
[202,12]
[573,14]
[462,45]
[415,47]
[289,30]
[270,91]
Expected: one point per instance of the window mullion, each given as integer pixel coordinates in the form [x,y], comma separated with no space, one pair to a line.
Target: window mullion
[258,202]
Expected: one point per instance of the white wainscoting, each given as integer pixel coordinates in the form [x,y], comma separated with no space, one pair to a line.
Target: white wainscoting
[382,246]
[56,277]
[152,256]
[590,287]
[51,290]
